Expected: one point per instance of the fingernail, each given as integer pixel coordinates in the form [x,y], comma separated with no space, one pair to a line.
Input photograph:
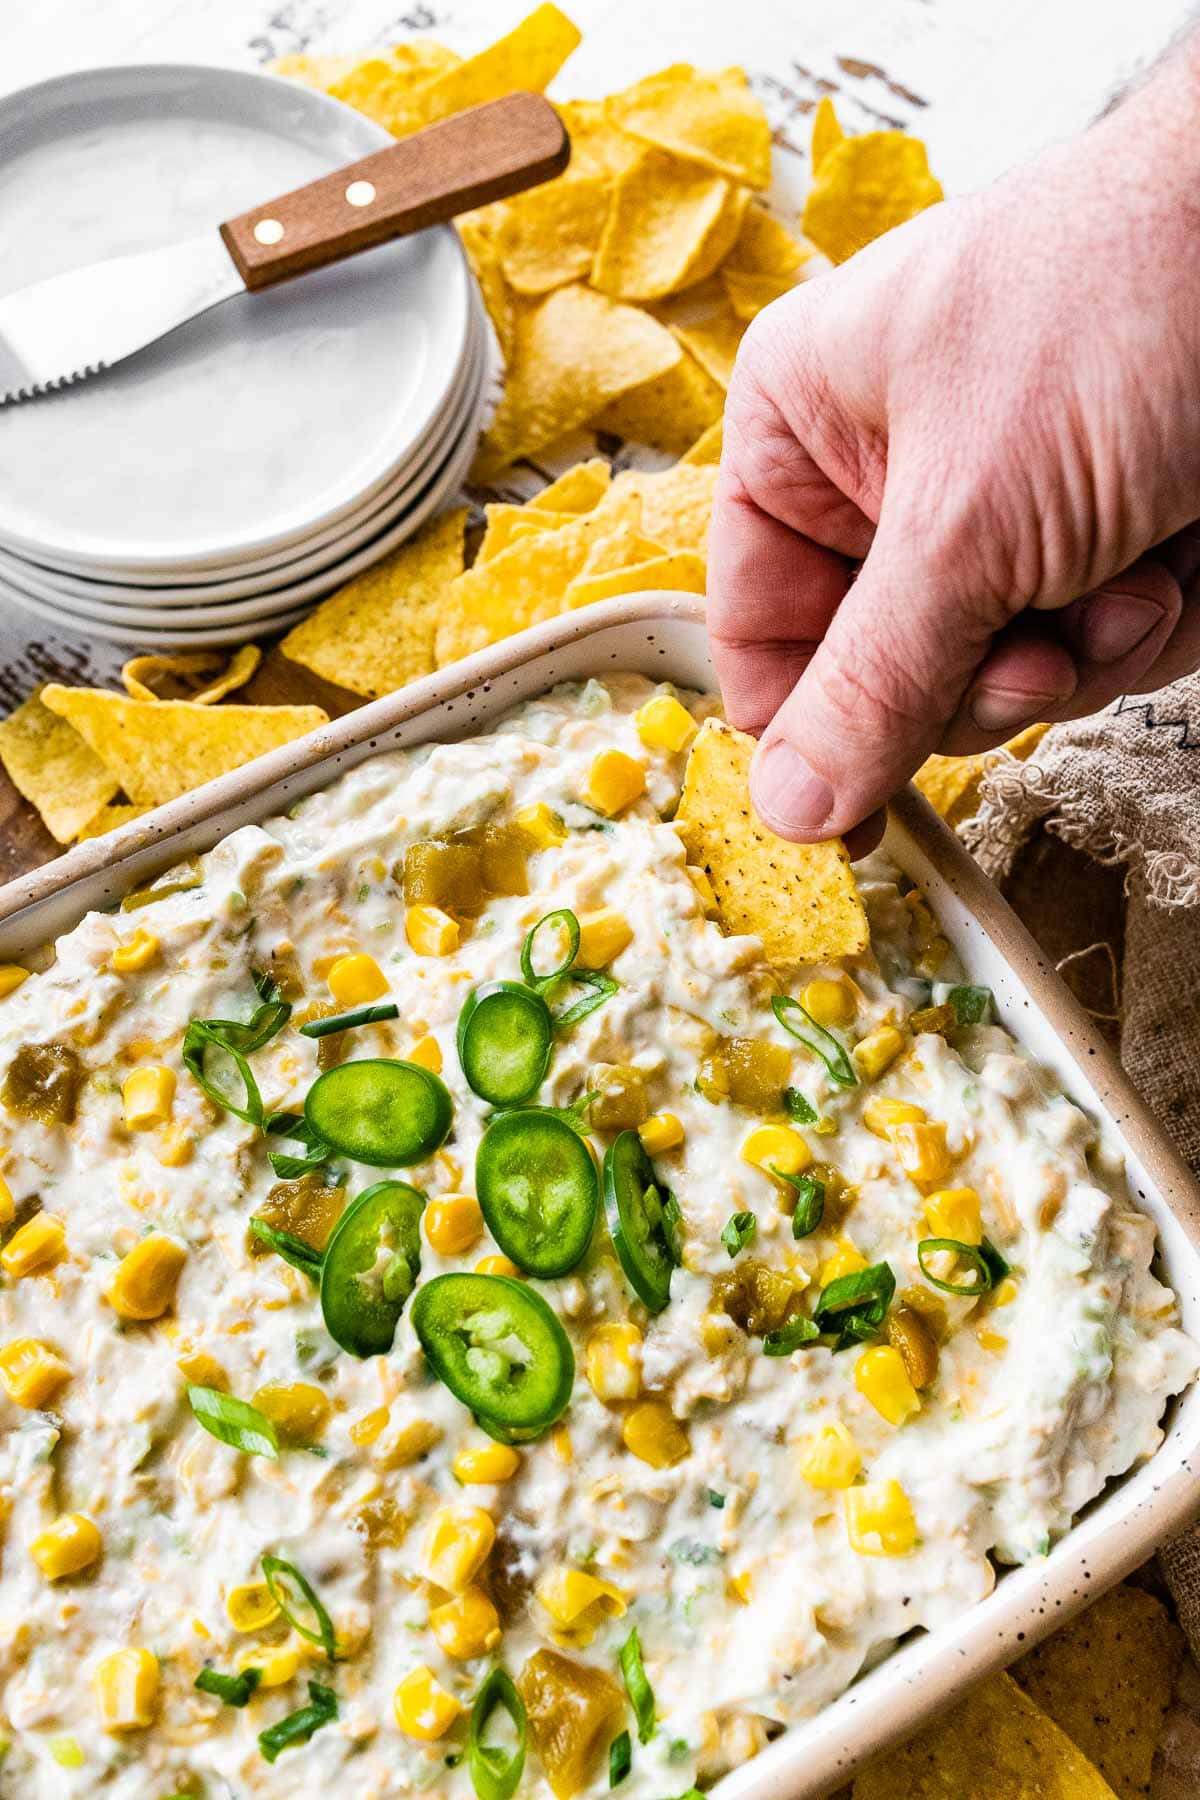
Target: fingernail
[787,794]
[999,709]
[1114,624]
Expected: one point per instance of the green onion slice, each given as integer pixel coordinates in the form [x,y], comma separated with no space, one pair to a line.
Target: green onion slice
[575,1115]
[620,1759]
[856,1305]
[739,1231]
[297,1600]
[637,1686]
[985,1262]
[797,1107]
[495,1771]
[234,1690]
[295,1125]
[299,1726]
[211,1045]
[350,1021]
[824,1045]
[972,1005]
[810,1202]
[235,1422]
[564,919]
[293,1249]
[602,986]
[715,1499]
[792,1336]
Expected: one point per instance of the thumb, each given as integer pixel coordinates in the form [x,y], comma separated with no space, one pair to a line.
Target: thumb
[872,704]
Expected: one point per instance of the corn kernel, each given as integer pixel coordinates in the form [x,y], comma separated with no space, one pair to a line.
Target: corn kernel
[148,1095]
[561,1445]
[661,1133]
[1007,1292]
[922,1152]
[654,1435]
[138,952]
[453,1224]
[423,1708]
[175,1146]
[356,980]
[740,1587]
[66,1752]
[126,1689]
[879,1519]
[831,1458]
[931,960]
[39,1244]
[11,977]
[486,1464]
[705,892]
[955,1213]
[250,1606]
[201,1370]
[881,1377]
[880,1114]
[277,1664]
[8,1209]
[602,936]
[31,1373]
[145,1281]
[991,1341]
[614,782]
[830,1002]
[366,1430]
[458,1544]
[847,1259]
[430,931]
[428,1053]
[498,1265]
[578,1601]
[408,1444]
[772,1147]
[543,825]
[663,724]
[878,1051]
[466,1626]
[297,1409]
[614,1362]
[72,1543]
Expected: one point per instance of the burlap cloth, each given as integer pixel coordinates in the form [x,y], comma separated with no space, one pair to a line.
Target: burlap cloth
[1124,787]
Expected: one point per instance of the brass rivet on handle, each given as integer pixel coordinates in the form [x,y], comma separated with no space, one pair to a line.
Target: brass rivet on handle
[360,193]
[268,231]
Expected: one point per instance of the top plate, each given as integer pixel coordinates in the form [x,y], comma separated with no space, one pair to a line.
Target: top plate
[272,415]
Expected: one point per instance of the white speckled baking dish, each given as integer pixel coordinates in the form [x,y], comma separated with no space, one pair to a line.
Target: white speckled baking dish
[662,636]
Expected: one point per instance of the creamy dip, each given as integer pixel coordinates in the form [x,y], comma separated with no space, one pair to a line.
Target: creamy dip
[762,1520]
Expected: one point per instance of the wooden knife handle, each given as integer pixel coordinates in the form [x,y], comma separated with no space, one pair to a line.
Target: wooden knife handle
[484,154]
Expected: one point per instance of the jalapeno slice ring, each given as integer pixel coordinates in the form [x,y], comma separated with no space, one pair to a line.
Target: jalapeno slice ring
[638,1220]
[370,1267]
[535,1179]
[499,1349]
[505,1042]
[380,1111]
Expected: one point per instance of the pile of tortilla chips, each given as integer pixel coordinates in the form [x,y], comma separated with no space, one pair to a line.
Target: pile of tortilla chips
[90,759]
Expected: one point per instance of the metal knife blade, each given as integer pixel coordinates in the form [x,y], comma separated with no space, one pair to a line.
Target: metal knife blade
[76,324]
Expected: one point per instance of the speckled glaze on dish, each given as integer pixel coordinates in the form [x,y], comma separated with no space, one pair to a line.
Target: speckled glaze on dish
[662,636]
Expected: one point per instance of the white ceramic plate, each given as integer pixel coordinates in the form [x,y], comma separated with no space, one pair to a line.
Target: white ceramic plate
[289,581]
[269,417]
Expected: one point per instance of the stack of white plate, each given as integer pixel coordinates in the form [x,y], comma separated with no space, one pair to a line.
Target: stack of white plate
[215,486]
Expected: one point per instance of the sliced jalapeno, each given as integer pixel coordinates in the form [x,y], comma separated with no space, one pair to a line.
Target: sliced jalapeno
[499,1349]
[641,1219]
[505,1041]
[536,1183]
[370,1267]
[380,1111]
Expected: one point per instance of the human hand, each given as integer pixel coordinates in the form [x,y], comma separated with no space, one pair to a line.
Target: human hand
[995,410]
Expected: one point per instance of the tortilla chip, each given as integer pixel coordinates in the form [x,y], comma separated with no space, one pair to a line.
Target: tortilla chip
[116,813]
[477,232]
[597,146]
[1107,1680]
[548,235]
[707,449]
[711,118]
[183,675]
[668,413]
[577,489]
[713,340]
[827,134]
[676,504]
[684,571]
[159,749]
[763,264]
[995,1745]
[52,767]
[951,784]
[669,224]
[573,352]
[377,632]
[529,57]
[525,583]
[505,524]
[864,187]
[800,899]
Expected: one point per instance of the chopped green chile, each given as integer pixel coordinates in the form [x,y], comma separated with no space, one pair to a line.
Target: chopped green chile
[637,1686]
[757,1297]
[987,1265]
[935,1020]
[298,1601]
[234,1422]
[505,1042]
[370,1267]
[44,1083]
[499,1349]
[822,1043]
[233,1690]
[644,1236]
[620,1759]
[307,1208]
[350,1021]
[464,870]
[536,1182]
[380,1110]
[972,1005]
[747,1072]
[739,1231]
[180,880]
[495,1771]
[300,1725]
